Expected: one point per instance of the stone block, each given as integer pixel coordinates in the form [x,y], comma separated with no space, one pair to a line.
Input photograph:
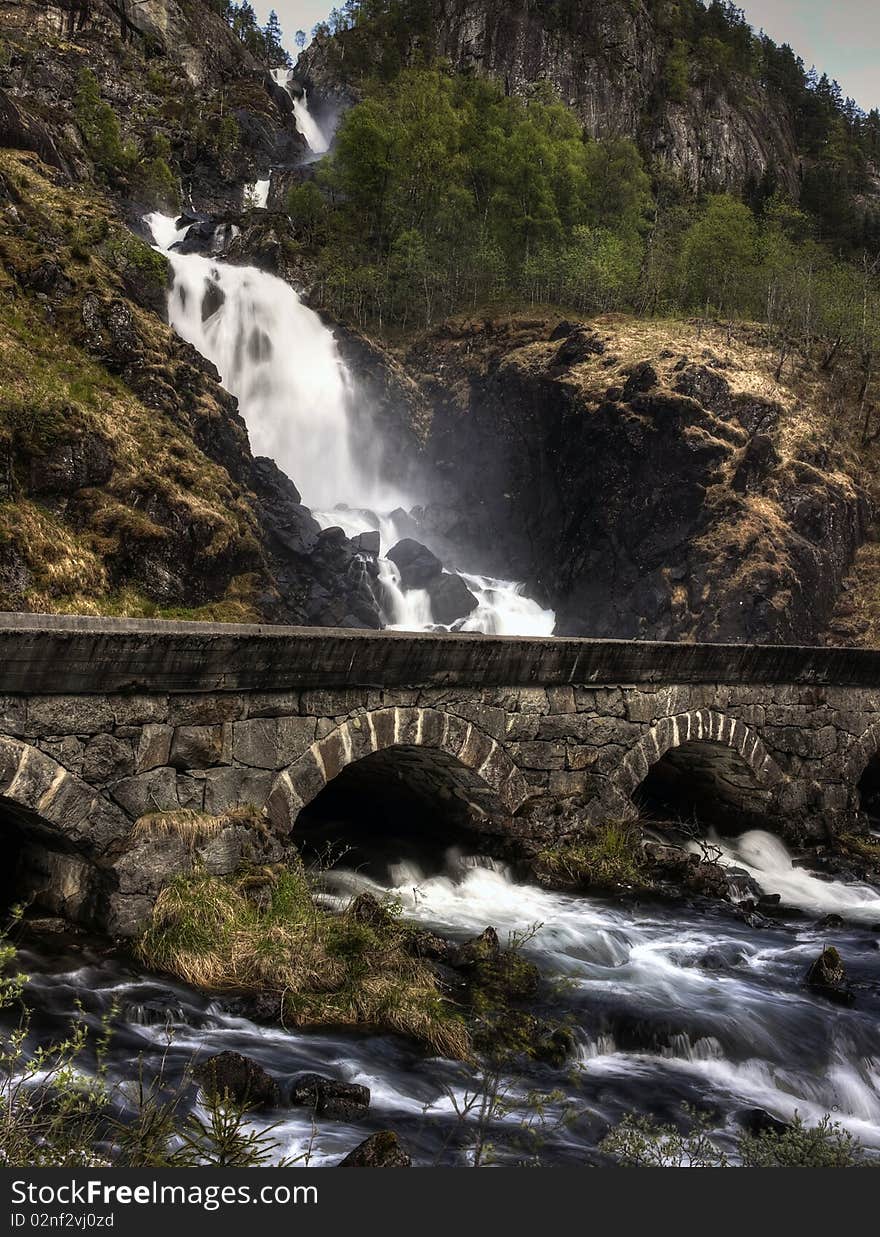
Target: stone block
[106,758]
[155,791]
[191,792]
[565,783]
[538,755]
[336,703]
[272,742]
[206,708]
[578,756]
[522,726]
[67,751]
[154,747]
[62,715]
[197,747]
[605,700]
[138,710]
[236,786]
[578,726]
[13,715]
[273,704]
[561,699]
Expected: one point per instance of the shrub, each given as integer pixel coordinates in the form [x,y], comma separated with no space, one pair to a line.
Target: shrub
[642,1142]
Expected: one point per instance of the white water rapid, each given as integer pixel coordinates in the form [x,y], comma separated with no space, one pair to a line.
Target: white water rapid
[301,408]
[767,861]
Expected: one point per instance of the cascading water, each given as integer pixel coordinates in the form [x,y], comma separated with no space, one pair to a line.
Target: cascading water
[317,141]
[669,1007]
[282,364]
[767,861]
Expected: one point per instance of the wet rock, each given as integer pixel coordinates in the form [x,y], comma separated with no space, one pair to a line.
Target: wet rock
[381,1150]
[831,921]
[827,977]
[327,1097]
[368,543]
[418,567]
[451,599]
[759,1121]
[264,1008]
[239,1077]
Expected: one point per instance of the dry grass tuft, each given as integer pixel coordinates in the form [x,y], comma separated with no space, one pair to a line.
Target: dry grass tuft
[329,969]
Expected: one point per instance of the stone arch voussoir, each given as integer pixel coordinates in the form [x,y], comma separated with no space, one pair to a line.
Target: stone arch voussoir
[697,725]
[493,775]
[41,788]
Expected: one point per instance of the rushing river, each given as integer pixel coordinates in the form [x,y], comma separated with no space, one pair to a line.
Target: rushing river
[669,1006]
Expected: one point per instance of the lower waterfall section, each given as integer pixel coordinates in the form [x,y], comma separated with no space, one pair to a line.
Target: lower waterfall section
[303,410]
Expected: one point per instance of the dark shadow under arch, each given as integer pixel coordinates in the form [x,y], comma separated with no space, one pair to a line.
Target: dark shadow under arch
[704,784]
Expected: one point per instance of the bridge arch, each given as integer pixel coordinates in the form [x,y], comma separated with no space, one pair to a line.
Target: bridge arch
[861,772]
[436,744]
[696,758]
[57,831]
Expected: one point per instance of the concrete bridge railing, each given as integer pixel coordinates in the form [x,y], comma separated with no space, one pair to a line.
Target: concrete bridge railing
[104,722]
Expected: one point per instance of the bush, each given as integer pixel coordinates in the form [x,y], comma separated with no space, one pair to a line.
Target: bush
[100,129]
[642,1142]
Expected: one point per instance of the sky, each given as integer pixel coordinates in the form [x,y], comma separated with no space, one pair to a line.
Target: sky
[842,38]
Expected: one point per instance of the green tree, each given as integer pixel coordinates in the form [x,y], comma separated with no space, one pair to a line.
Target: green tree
[719,257]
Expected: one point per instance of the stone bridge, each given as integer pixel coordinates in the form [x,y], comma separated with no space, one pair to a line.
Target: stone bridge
[105,724]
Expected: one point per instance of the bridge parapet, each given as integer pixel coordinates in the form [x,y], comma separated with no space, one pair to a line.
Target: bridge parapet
[145,717]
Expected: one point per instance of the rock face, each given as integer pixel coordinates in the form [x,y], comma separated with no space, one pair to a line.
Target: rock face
[655,497]
[607,61]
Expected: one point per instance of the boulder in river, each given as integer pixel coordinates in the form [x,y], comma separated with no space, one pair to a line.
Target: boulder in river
[451,599]
[381,1150]
[827,977]
[239,1077]
[328,1097]
[417,565]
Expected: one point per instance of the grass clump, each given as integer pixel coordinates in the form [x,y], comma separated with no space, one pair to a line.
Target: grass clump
[194,828]
[605,854]
[328,969]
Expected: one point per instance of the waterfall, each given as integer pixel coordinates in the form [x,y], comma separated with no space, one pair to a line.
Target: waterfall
[281,362]
[317,141]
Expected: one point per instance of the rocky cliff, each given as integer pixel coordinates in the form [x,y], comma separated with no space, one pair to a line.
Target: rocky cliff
[127,483]
[648,479]
[608,60]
